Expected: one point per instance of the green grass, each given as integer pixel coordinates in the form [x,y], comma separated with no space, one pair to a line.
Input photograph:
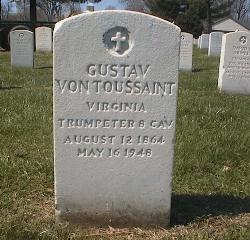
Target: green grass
[211,198]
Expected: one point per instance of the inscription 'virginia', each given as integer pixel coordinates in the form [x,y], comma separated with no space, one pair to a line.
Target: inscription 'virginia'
[115,107]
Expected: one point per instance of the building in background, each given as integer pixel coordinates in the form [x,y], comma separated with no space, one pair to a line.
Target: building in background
[229,25]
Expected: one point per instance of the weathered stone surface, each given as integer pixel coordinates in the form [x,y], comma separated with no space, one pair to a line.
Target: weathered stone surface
[22,48]
[204,42]
[186,51]
[234,74]
[43,39]
[215,40]
[115,92]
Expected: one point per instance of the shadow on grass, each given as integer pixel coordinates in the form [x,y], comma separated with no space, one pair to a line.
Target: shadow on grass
[43,67]
[9,88]
[194,70]
[187,208]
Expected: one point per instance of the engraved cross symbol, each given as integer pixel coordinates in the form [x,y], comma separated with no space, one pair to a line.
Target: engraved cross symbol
[243,40]
[118,39]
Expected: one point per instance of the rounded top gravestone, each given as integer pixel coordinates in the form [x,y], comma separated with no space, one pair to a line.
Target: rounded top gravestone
[204,42]
[115,92]
[43,39]
[234,73]
[186,51]
[22,48]
[215,40]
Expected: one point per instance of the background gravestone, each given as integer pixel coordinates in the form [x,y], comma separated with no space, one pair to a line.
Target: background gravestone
[22,48]
[114,117]
[186,51]
[215,40]
[1,39]
[234,73]
[204,42]
[195,42]
[43,39]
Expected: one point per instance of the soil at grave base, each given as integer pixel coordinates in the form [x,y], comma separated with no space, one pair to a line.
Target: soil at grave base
[105,220]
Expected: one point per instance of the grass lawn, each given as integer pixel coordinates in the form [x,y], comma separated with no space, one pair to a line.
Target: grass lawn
[211,198]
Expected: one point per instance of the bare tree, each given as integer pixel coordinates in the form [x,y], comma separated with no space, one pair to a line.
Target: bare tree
[54,9]
[240,9]
[5,11]
[23,9]
[51,8]
[72,8]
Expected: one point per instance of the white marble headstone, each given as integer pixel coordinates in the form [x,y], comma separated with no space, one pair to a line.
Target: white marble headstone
[195,42]
[234,73]
[215,40]
[199,42]
[204,42]
[115,93]
[43,39]
[22,48]
[186,51]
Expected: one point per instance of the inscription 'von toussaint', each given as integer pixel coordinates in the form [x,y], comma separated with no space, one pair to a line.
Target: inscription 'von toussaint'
[116,87]
[102,78]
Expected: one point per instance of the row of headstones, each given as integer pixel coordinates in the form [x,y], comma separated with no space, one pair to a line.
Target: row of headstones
[22,45]
[234,51]
[212,42]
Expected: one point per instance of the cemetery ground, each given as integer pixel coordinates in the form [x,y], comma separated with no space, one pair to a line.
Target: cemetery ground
[211,184]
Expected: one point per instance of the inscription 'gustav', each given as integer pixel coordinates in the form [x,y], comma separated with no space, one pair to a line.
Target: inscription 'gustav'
[118,70]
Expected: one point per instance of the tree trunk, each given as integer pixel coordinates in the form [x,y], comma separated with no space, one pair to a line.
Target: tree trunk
[209,17]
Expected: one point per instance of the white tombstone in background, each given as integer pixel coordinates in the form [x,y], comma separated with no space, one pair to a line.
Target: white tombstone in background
[204,42]
[22,48]
[186,51]
[43,39]
[200,42]
[195,42]
[234,72]
[215,41]
[115,93]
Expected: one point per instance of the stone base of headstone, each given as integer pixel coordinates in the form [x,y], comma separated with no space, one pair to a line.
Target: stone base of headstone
[114,220]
